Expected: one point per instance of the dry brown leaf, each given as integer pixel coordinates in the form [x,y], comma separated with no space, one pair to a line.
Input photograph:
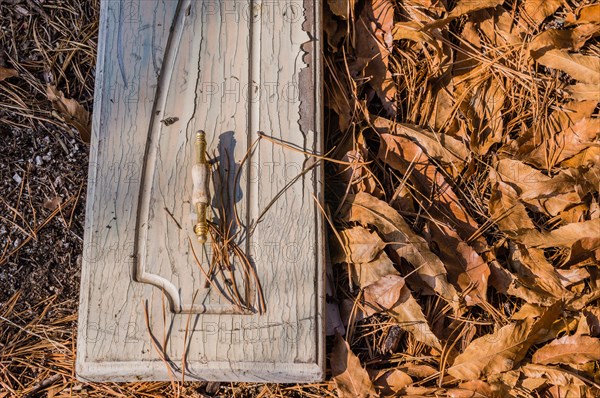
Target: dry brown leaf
[359,245]
[505,382]
[342,8]
[335,31]
[577,213]
[499,26]
[589,369]
[549,48]
[534,270]
[369,210]
[571,129]
[73,113]
[467,61]
[414,10]
[365,274]
[506,211]
[504,349]
[574,349]
[441,147]
[481,94]
[582,33]
[385,292]
[485,114]
[412,31]
[466,70]
[358,175]
[409,315]
[419,371]
[461,393]
[571,392]
[439,108]
[560,327]
[373,46]
[479,387]
[553,375]
[594,210]
[527,310]
[441,105]
[472,389]
[466,269]
[564,39]
[533,383]
[530,183]
[428,4]
[421,392]
[572,276]
[403,153]
[589,14]
[461,8]
[592,318]
[586,158]
[545,194]
[574,129]
[339,97]
[339,103]
[409,151]
[584,300]
[509,284]
[538,10]
[6,73]
[389,382]
[351,379]
[586,235]
[583,92]
[392,295]
[406,154]
[583,329]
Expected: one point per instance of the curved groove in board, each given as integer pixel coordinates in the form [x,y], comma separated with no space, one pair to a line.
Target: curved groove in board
[140,274]
[168,85]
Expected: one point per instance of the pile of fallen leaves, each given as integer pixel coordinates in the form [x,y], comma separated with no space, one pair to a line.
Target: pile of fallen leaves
[466,216]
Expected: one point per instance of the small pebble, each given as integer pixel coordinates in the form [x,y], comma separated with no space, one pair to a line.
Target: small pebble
[38,160]
[21,10]
[17,178]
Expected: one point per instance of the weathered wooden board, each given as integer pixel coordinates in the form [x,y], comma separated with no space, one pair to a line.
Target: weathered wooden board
[235,69]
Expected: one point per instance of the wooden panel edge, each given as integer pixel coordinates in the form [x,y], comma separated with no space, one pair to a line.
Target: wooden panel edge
[85,285]
[316,23]
[157,371]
